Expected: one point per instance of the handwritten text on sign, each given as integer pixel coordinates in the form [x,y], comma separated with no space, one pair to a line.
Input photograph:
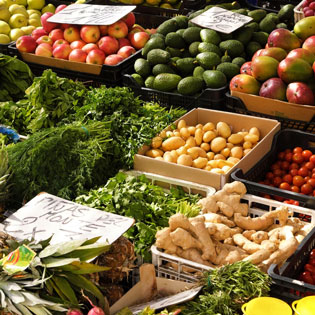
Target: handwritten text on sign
[47,215]
[221,20]
[88,14]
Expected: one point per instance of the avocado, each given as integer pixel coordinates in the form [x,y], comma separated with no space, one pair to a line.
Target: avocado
[203,47]
[157,35]
[156,56]
[155,42]
[214,79]
[148,83]
[174,52]
[260,37]
[190,86]
[208,60]
[257,15]
[286,12]
[142,67]
[282,25]
[224,36]
[210,36]
[241,11]
[185,54]
[251,48]
[254,26]
[174,59]
[181,31]
[181,20]
[193,49]
[162,68]
[166,82]
[229,69]
[185,66]
[267,25]
[243,34]
[226,58]
[174,40]
[194,14]
[167,27]
[273,16]
[239,61]
[198,72]
[233,47]
[192,34]
[138,78]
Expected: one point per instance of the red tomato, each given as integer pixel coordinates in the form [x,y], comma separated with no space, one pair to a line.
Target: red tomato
[298,181]
[296,203]
[294,166]
[279,198]
[297,158]
[303,171]
[306,189]
[312,254]
[277,181]
[267,182]
[288,157]
[309,165]
[281,156]
[311,261]
[294,172]
[288,178]
[306,179]
[295,189]
[313,175]
[277,172]
[307,277]
[287,201]
[307,154]
[312,158]
[269,175]
[285,165]
[297,150]
[310,268]
[285,186]
[274,166]
[266,196]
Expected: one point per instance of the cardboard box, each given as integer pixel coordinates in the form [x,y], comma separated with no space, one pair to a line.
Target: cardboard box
[268,128]
[275,107]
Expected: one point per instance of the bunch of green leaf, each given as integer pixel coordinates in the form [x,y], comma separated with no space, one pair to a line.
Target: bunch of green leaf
[150,205]
[56,274]
[52,99]
[188,209]
[16,77]
[64,161]
[4,175]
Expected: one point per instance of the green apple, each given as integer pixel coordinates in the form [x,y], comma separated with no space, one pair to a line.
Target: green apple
[18,9]
[34,22]
[34,16]
[4,39]
[12,7]
[17,20]
[4,14]
[28,29]
[35,4]
[22,2]
[10,2]
[15,33]
[4,28]
[3,3]
[48,8]
[30,12]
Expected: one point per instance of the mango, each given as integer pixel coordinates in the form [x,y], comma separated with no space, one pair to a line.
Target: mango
[264,67]
[283,38]
[245,83]
[305,27]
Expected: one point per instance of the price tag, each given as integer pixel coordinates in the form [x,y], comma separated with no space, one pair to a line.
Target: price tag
[88,14]
[47,215]
[221,20]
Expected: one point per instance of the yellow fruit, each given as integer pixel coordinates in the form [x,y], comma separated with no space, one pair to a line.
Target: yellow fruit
[34,22]
[4,28]
[153,2]
[35,4]
[4,39]
[4,14]
[48,8]
[170,1]
[166,6]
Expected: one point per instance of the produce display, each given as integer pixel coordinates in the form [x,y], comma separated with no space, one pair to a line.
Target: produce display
[308,8]
[210,147]
[308,274]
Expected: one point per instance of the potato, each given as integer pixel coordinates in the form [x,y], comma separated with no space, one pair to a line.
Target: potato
[208,136]
[247,145]
[169,134]
[235,138]
[208,127]
[198,136]
[154,153]
[251,138]
[192,130]
[222,163]
[226,152]
[214,163]
[226,169]
[168,157]
[217,171]
[185,159]
[243,133]
[218,144]
[156,142]
[200,162]
[181,124]
[159,158]
[219,157]
[205,146]
[174,155]
[246,151]
[196,152]
[163,134]
[237,152]
[191,142]
[184,133]
[172,143]
[210,156]
[233,160]
[199,126]
[223,129]
[229,145]
[182,150]
[255,131]
[207,168]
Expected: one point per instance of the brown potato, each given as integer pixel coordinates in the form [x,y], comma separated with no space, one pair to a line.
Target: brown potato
[208,136]
[237,152]
[196,152]
[192,130]
[154,153]
[218,144]
[182,150]
[184,133]
[219,157]
[251,138]
[210,156]
[168,157]
[172,143]
[205,146]
[200,162]
[235,138]
[208,127]
[226,152]
[185,159]
[223,129]
[181,124]
[198,136]
[191,142]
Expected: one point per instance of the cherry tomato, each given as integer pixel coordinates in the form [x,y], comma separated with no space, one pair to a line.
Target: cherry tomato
[266,196]
[288,157]
[296,203]
[312,254]
[311,261]
[288,178]
[294,166]
[310,268]
[277,172]
[313,175]
[303,171]
[277,181]
[281,156]
[307,277]
[269,175]
[274,166]
[297,158]
[306,189]
[297,150]
[267,182]
[310,165]
[285,186]
[312,158]
[307,154]
[287,201]
[295,189]
[298,181]
[279,198]
[294,172]
[287,151]
[306,178]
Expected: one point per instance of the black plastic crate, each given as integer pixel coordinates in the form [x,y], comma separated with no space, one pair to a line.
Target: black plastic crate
[284,139]
[208,98]
[271,5]
[235,104]
[286,283]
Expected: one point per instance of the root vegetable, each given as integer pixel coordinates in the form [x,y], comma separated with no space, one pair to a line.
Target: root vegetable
[220,231]
[163,240]
[269,245]
[259,236]
[217,218]
[249,246]
[181,124]
[258,256]
[194,255]
[223,129]
[179,220]
[173,143]
[184,239]
[208,204]
[185,159]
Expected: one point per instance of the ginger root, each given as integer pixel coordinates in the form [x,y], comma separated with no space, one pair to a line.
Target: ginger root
[258,256]
[184,239]
[163,240]
[249,246]
[217,218]
[220,231]
[179,220]
[208,204]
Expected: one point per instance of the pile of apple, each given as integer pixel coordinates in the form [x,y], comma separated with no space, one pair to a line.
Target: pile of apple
[91,44]
[308,7]
[284,70]
[20,17]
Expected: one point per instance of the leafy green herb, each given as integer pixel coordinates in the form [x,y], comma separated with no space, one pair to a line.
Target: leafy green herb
[188,209]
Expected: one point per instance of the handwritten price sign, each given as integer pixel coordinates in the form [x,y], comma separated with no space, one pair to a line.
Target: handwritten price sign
[87,14]
[221,20]
[47,215]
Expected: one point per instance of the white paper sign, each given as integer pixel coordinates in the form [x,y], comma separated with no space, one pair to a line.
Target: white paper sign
[221,20]
[88,14]
[47,215]
[164,302]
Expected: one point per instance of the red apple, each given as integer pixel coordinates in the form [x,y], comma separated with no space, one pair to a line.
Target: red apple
[113,60]
[137,28]
[62,51]
[26,43]
[77,44]
[103,29]
[71,34]
[90,33]
[47,26]
[60,7]
[59,42]
[44,39]
[77,55]
[126,51]
[64,26]
[96,57]
[108,44]
[300,93]
[309,44]
[139,39]
[44,50]
[38,32]
[123,42]
[118,29]
[56,34]
[88,47]
[130,20]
